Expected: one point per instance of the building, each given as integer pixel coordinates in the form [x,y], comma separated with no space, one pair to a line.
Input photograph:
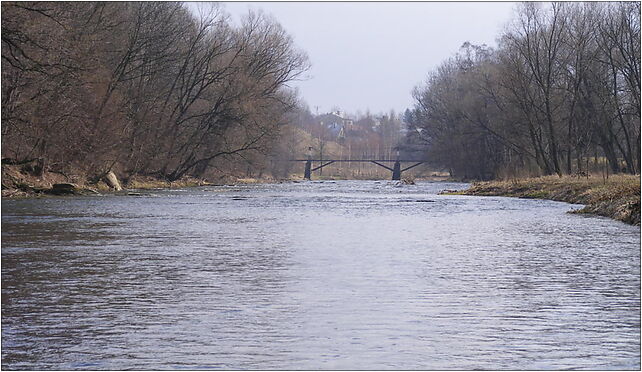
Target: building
[336,122]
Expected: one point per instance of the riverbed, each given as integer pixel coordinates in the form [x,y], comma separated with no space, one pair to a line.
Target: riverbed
[316,275]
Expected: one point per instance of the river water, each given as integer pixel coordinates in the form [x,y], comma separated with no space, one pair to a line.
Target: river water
[316,275]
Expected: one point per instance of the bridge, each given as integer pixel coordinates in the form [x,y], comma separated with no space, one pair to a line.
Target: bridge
[395,169]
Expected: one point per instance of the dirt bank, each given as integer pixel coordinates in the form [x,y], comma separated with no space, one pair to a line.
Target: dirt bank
[617,197]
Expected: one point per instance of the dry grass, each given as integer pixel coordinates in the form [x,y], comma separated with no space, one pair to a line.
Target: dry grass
[617,197]
[155,183]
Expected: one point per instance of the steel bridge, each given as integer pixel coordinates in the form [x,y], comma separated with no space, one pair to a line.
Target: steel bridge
[396,167]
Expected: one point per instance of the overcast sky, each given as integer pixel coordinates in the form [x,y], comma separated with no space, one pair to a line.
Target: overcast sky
[371,55]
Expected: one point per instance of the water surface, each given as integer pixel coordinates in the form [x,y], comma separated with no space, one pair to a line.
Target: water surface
[316,275]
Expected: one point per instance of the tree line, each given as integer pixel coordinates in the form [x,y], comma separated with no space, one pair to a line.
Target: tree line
[560,92]
[142,87]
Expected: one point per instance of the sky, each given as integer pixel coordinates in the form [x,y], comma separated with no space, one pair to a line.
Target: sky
[370,55]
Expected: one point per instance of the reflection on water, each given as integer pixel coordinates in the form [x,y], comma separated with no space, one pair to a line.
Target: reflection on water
[317,275]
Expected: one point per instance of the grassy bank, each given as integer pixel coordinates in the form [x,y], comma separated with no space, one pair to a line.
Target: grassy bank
[617,197]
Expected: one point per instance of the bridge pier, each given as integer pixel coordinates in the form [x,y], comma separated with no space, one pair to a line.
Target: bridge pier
[308,166]
[396,171]
[308,173]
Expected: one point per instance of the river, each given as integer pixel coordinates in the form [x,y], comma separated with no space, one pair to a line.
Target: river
[316,275]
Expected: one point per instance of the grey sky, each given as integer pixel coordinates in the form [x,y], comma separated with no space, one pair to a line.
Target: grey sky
[370,55]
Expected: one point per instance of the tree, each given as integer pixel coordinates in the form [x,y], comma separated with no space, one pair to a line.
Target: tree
[563,82]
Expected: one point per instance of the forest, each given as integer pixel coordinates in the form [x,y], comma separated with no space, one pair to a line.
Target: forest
[152,89]
[142,88]
[560,94]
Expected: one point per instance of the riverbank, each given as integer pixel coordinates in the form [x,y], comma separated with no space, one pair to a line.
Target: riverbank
[617,197]
[19,181]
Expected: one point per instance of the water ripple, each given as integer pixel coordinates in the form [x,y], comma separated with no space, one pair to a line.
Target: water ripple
[316,275]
